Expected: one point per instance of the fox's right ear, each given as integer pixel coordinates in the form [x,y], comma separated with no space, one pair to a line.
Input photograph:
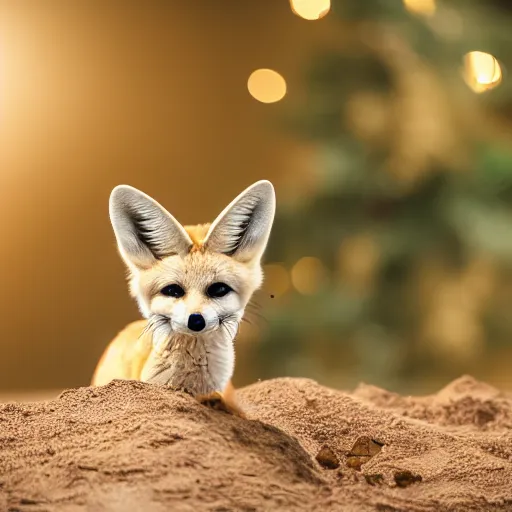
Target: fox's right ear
[243,228]
[145,230]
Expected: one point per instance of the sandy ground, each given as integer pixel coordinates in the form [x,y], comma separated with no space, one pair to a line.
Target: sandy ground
[130,446]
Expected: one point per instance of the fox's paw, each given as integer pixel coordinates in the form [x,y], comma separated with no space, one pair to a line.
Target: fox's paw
[218,402]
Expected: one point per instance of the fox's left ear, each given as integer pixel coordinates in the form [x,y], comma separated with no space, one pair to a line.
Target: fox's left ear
[243,228]
[145,231]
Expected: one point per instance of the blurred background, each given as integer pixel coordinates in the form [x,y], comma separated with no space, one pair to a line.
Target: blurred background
[385,125]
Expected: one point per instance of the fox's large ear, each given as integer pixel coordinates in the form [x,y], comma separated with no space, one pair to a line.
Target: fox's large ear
[243,228]
[145,230]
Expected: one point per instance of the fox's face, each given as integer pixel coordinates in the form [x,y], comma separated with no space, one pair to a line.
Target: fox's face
[199,279]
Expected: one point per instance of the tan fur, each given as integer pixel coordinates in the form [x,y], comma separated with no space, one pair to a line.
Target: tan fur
[125,356]
[197,234]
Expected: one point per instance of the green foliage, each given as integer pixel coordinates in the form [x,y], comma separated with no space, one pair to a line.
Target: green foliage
[454,212]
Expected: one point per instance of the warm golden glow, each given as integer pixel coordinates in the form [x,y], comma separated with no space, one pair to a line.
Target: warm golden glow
[277,279]
[358,261]
[482,71]
[266,85]
[310,9]
[308,275]
[421,7]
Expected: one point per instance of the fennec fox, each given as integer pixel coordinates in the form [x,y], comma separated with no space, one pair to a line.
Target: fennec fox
[192,285]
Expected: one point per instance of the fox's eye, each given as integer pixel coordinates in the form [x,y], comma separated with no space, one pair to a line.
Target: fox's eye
[173,290]
[217,290]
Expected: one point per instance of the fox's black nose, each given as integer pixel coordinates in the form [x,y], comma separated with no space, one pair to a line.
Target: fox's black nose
[196,322]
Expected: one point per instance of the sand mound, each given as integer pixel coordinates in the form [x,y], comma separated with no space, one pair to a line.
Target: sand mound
[130,446]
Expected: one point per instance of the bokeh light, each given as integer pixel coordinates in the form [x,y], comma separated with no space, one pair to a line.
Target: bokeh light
[482,71]
[277,279]
[310,9]
[308,275]
[266,85]
[421,7]
[358,260]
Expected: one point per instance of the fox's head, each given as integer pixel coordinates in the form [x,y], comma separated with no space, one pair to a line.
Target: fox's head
[193,278]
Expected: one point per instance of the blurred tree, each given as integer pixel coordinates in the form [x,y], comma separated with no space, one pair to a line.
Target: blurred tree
[400,254]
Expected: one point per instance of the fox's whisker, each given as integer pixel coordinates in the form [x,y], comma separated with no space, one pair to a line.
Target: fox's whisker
[230,323]
[255,312]
[254,305]
[254,318]
[231,330]
[144,331]
[154,325]
[150,325]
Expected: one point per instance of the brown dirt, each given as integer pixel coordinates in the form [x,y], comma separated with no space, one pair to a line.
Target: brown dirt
[130,446]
